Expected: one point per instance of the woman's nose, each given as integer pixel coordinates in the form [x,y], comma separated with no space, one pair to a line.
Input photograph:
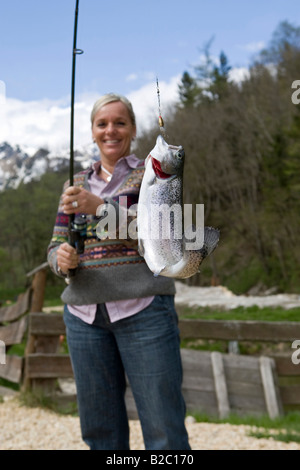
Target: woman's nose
[110,128]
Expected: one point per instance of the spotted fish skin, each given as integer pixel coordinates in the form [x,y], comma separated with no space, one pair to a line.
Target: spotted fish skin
[161,239]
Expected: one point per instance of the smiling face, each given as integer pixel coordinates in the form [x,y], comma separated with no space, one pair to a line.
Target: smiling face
[113,131]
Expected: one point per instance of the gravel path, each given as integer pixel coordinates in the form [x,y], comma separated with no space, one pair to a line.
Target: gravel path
[24,428]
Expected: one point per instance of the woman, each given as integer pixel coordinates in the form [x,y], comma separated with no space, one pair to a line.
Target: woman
[119,318]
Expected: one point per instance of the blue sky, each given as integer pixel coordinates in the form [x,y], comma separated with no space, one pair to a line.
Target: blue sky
[126,45]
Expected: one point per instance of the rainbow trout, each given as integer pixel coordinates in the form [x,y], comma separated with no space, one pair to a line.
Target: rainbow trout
[162,240]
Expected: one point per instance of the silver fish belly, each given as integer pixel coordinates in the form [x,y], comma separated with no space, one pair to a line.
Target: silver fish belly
[161,238]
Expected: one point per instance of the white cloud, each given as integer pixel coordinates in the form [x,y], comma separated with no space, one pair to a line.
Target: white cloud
[2,92]
[132,77]
[253,46]
[144,76]
[145,101]
[46,123]
[238,74]
[43,123]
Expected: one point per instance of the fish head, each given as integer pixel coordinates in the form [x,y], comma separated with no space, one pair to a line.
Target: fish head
[167,160]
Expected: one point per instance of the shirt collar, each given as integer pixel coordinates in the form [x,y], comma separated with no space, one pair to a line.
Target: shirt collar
[131,161]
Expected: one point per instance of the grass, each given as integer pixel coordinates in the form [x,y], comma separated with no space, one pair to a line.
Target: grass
[253,313]
[38,398]
[285,428]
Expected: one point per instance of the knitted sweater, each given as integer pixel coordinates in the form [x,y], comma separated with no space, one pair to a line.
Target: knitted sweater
[109,269]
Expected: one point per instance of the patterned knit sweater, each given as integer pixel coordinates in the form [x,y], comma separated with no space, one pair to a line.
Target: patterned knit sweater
[109,269]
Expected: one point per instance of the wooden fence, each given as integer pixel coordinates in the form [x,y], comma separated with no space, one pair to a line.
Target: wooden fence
[213,383]
[256,332]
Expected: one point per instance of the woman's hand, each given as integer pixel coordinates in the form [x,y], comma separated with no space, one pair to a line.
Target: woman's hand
[67,257]
[77,199]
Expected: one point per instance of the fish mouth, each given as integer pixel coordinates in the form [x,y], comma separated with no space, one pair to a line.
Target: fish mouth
[158,170]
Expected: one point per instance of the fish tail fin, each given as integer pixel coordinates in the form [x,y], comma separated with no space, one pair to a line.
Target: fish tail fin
[211,240]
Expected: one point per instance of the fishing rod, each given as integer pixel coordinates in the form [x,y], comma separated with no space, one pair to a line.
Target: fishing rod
[75,52]
[77,225]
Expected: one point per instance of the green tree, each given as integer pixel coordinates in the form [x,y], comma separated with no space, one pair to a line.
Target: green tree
[188,90]
[220,78]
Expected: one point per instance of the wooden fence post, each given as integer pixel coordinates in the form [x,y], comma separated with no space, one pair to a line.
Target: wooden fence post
[220,384]
[38,286]
[36,344]
[271,394]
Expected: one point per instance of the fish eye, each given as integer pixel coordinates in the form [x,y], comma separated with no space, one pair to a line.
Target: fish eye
[180,153]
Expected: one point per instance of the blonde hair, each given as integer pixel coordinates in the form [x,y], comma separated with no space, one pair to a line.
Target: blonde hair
[110,98]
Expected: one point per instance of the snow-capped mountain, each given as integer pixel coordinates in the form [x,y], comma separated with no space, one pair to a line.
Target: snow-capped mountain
[23,165]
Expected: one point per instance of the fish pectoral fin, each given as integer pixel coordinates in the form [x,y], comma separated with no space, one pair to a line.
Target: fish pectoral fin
[141,248]
[159,271]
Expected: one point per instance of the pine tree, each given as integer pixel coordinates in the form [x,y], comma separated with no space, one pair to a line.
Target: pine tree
[188,90]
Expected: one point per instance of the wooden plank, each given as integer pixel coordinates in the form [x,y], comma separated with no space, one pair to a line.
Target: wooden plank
[38,287]
[48,324]
[39,268]
[15,311]
[194,358]
[240,330]
[248,403]
[12,369]
[273,404]
[220,384]
[2,353]
[290,395]
[204,402]
[196,362]
[196,382]
[245,389]
[39,365]
[242,369]
[249,376]
[241,361]
[285,366]
[13,333]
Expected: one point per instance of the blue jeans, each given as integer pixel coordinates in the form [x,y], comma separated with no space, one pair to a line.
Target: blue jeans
[145,346]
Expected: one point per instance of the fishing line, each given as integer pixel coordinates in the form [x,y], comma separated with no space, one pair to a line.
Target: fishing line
[160,119]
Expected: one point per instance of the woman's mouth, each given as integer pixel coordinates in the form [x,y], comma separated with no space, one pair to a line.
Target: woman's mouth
[111,141]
